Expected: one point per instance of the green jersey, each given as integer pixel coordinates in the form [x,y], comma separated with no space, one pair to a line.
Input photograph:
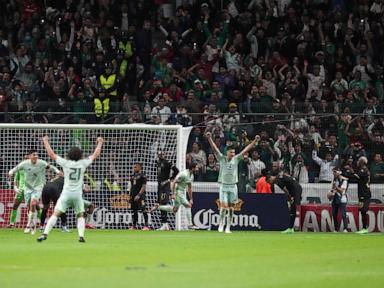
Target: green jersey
[34,174]
[20,180]
[183,179]
[228,169]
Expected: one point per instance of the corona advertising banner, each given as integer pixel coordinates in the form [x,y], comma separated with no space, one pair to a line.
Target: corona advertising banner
[252,212]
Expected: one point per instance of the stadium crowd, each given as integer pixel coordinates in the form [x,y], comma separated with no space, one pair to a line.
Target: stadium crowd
[306,76]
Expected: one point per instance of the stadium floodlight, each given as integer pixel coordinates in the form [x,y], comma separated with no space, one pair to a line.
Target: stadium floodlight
[108,177]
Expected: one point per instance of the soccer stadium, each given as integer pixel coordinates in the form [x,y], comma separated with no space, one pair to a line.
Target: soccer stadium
[191,143]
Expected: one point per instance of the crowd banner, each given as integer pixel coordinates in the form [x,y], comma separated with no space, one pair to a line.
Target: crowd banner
[318,218]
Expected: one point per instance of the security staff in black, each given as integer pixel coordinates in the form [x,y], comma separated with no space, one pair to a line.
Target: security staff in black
[293,190]
[51,192]
[363,191]
[164,179]
[137,185]
[338,195]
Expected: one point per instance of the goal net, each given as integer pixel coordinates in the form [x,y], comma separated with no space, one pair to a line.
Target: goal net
[108,175]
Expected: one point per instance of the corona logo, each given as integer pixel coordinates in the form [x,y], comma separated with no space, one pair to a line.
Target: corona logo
[237,207]
[120,201]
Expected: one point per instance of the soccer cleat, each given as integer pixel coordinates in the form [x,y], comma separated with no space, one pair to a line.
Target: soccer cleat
[81,240]
[41,229]
[164,227]
[362,231]
[132,228]
[65,229]
[145,228]
[154,208]
[90,226]
[228,230]
[193,227]
[42,238]
[27,230]
[11,225]
[345,231]
[33,230]
[221,228]
[288,231]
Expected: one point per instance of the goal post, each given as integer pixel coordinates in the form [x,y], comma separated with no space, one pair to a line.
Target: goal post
[108,176]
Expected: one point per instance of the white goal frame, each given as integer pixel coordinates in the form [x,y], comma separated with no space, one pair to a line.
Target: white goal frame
[182,134]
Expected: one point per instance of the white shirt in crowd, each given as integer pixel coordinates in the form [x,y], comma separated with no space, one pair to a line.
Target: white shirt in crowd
[161,115]
[326,167]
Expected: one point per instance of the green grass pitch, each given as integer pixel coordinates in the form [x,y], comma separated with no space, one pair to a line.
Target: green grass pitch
[195,259]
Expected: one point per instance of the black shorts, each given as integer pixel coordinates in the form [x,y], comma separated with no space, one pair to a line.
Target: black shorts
[138,205]
[364,204]
[48,195]
[163,193]
[296,196]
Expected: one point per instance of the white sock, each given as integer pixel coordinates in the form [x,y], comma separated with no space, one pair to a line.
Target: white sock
[30,216]
[223,213]
[230,217]
[34,219]
[188,214]
[81,226]
[167,208]
[51,222]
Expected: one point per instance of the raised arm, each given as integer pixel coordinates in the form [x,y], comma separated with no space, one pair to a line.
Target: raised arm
[97,151]
[316,158]
[213,145]
[249,146]
[48,147]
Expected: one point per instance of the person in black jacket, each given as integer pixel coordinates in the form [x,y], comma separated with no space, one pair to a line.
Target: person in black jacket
[293,190]
[363,191]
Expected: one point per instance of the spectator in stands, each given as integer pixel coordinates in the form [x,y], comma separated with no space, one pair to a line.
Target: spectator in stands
[326,166]
[161,112]
[200,158]
[377,169]
[255,166]
[257,55]
[211,169]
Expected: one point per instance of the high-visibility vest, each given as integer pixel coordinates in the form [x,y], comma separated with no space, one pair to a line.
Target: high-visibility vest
[114,186]
[108,82]
[123,68]
[127,48]
[101,107]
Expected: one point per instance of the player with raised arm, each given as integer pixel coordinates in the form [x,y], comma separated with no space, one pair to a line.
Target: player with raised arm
[182,182]
[228,178]
[164,178]
[74,168]
[34,177]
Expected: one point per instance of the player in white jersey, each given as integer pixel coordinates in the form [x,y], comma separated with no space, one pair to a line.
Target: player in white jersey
[182,182]
[72,195]
[34,174]
[228,178]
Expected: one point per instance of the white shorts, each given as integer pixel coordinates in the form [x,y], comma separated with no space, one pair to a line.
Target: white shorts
[67,200]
